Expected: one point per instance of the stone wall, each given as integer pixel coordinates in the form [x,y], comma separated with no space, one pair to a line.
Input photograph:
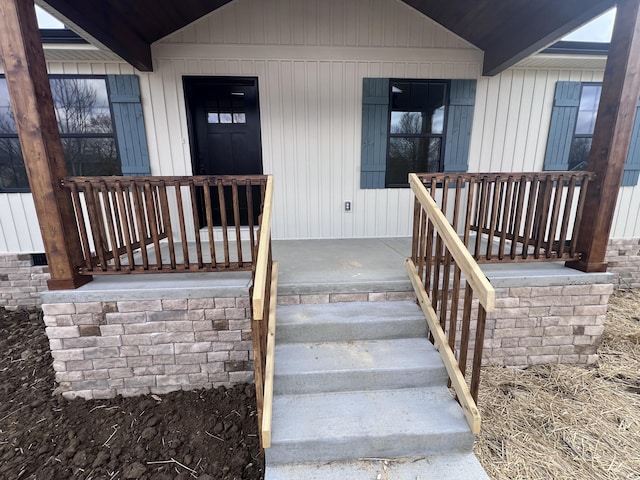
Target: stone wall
[105,348]
[623,256]
[21,282]
[542,325]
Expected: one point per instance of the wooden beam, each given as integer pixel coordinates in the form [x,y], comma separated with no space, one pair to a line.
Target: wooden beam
[32,104]
[264,244]
[611,138]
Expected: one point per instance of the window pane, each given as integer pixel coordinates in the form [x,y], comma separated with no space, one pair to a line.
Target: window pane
[7,124]
[212,117]
[411,155]
[12,171]
[589,100]
[239,118]
[226,118]
[579,153]
[91,156]
[82,105]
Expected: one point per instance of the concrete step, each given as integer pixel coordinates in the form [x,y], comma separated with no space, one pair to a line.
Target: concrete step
[463,466]
[360,365]
[326,427]
[338,322]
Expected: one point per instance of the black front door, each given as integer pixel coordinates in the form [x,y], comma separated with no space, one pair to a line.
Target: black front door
[224,127]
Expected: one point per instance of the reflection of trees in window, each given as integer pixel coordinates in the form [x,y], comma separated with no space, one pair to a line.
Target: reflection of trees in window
[84,121]
[86,130]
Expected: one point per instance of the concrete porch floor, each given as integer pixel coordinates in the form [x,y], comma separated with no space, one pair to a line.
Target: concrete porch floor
[320,267]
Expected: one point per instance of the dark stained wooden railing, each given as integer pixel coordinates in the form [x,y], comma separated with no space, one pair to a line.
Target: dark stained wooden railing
[454,295]
[157,224]
[513,217]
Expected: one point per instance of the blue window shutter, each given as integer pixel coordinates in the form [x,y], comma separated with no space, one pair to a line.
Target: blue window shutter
[124,95]
[563,125]
[632,166]
[375,128]
[462,97]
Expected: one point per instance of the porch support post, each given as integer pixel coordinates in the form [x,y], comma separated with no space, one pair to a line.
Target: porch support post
[32,104]
[611,138]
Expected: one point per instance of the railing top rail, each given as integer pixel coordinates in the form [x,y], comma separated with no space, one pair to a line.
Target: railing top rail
[262,259]
[466,176]
[474,275]
[197,180]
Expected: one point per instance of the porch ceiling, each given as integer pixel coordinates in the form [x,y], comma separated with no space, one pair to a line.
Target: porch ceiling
[506,30]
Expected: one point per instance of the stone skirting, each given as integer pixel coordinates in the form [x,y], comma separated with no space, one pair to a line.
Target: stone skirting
[21,282]
[542,325]
[108,348]
[623,256]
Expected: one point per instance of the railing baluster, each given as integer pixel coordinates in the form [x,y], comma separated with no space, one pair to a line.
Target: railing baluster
[568,205]
[124,214]
[477,352]
[166,221]
[466,327]
[517,238]
[481,220]
[542,216]
[94,221]
[206,189]
[252,241]
[557,199]
[236,219]
[81,225]
[495,212]
[506,217]
[576,226]
[108,216]
[223,220]
[528,223]
[141,223]
[153,224]
[183,228]
[196,223]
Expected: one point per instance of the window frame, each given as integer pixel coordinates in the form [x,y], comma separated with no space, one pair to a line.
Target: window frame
[576,135]
[113,133]
[442,136]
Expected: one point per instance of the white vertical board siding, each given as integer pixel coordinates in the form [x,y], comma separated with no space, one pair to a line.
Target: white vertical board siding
[310,58]
[19,229]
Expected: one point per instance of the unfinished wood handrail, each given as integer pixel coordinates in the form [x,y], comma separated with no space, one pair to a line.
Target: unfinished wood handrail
[514,217]
[153,224]
[270,361]
[264,245]
[437,252]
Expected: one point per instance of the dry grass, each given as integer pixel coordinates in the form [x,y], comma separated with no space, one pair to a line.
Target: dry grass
[563,422]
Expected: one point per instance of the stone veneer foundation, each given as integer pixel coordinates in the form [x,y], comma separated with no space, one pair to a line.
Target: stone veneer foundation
[21,282]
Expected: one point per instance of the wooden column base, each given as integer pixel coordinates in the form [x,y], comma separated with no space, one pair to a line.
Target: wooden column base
[69,284]
[587,267]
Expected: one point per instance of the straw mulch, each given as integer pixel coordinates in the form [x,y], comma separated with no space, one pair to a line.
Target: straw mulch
[564,422]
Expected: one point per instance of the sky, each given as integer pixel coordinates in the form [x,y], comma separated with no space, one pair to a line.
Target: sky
[598,30]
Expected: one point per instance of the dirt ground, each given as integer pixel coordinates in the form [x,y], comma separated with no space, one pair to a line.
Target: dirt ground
[205,434]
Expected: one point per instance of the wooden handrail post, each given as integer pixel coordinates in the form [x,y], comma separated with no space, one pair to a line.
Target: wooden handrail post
[32,104]
[611,138]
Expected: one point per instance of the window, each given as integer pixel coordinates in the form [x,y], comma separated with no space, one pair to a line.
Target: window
[585,123]
[416,129]
[100,125]
[414,126]
[571,129]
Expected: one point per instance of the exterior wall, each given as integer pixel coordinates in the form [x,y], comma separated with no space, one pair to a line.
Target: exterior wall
[21,282]
[310,58]
[108,348]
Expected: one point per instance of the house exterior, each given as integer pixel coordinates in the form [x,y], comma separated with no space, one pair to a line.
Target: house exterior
[321,79]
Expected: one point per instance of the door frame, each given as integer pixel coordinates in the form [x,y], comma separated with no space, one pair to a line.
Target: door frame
[189,82]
